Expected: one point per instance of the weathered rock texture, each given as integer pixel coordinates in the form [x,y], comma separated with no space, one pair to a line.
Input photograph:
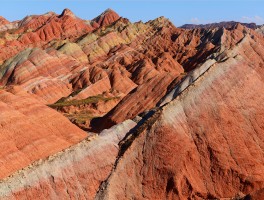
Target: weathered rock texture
[30,131]
[207,143]
[75,173]
[107,17]
[260,30]
[195,98]
[3,21]
[64,58]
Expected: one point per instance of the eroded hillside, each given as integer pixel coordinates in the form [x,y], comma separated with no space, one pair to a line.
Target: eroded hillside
[183,107]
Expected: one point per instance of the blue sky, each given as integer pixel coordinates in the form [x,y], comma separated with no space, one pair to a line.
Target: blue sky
[178,11]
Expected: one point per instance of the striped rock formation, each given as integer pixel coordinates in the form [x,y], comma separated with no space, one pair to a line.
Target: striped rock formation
[183,108]
[206,142]
[30,131]
[75,173]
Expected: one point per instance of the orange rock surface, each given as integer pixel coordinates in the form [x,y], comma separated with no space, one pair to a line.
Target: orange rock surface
[183,109]
[106,18]
[75,173]
[30,131]
[3,21]
[207,143]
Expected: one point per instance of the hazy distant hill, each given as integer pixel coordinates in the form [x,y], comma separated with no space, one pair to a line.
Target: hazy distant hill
[219,25]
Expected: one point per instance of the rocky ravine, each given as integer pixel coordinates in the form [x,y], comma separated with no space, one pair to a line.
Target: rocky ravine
[195,99]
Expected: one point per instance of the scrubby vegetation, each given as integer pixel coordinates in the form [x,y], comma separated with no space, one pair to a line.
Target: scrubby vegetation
[80,118]
[93,99]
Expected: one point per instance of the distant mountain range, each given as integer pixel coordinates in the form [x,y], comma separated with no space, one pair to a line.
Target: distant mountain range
[228,24]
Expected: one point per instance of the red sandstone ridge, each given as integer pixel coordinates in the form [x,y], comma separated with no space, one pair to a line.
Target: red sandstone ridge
[183,109]
[39,30]
[67,12]
[191,148]
[52,26]
[107,17]
[30,131]
[3,21]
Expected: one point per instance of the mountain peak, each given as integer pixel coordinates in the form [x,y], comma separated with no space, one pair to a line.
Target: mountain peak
[107,17]
[108,10]
[67,12]
[3,21]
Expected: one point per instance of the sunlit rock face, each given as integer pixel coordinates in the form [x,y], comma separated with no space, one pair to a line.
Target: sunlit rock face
[31,131]
[260,30]
[109,109]
[192,146]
